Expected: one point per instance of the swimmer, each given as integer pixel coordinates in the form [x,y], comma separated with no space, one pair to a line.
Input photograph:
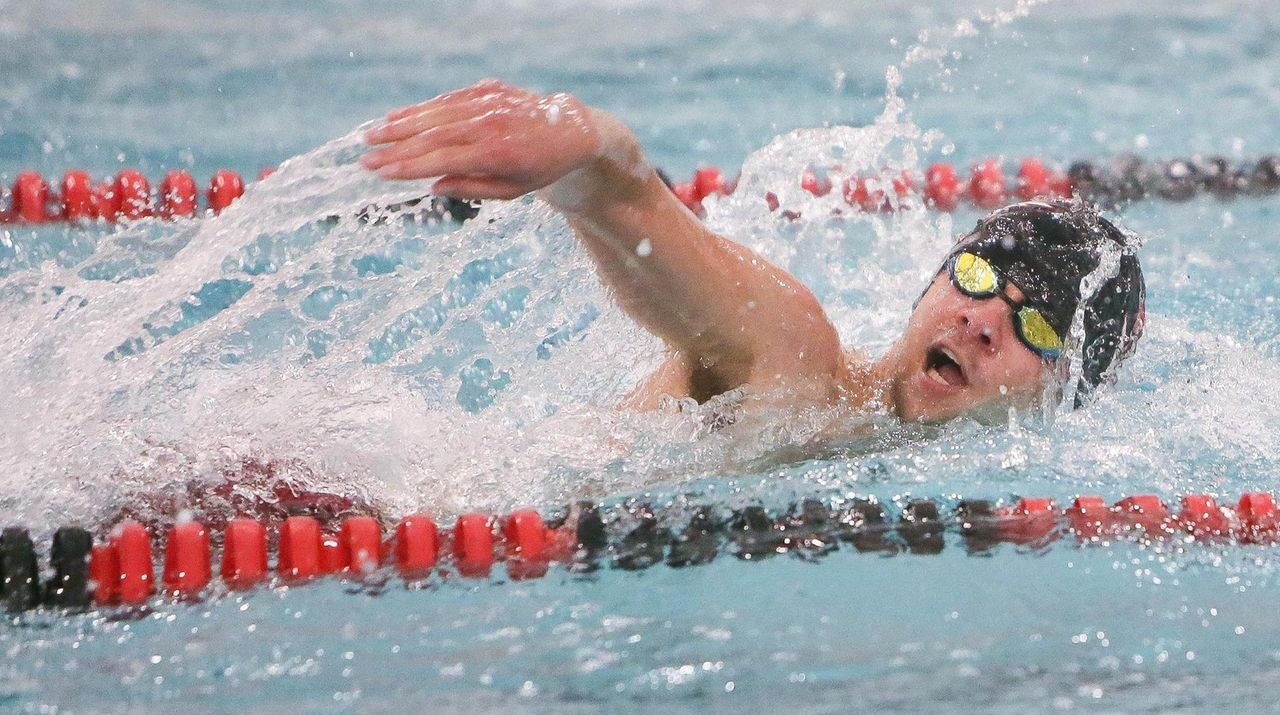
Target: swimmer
[989,333]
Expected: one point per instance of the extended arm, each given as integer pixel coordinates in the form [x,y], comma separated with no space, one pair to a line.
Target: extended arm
[716,302]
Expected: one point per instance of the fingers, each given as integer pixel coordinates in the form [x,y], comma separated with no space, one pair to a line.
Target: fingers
[455,110]
[479,89]
[478,187]
[448,107]
[455,134]
[470,138]
[471,159]
[422,121]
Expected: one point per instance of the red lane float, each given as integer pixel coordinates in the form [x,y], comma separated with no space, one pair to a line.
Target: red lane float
[133,192]
[708,180]
[417,546]
[225,187]
[561,543]
[331,560]
[986,184]
[132,545]
[187,567]
[525,537]
[1030,520]
[299,557]
[30,194]
[855,193]
[473,545]
[1089,516]
[105,201]
[104,572]
[1258,518]
[77,196]
[1144,512]
[244,554]
[1202,518]
[688,195]
[1033,180]
[360,545]
[941,187]
[178,195]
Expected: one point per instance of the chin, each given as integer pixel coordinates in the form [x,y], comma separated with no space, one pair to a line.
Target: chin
[938,416]
[986,412]
[914,404]
[918,399]
[989,413]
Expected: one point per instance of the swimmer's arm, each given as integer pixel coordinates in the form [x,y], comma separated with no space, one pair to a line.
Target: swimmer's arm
[720,304]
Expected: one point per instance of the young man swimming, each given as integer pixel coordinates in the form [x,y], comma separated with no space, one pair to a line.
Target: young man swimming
[988,333]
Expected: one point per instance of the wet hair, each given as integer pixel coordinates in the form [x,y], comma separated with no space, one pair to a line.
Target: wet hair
[1066,258]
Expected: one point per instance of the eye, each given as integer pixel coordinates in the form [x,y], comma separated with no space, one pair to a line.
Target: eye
[975,275]
[1036,330]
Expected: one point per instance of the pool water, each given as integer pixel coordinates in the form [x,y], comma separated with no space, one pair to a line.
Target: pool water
[423,366]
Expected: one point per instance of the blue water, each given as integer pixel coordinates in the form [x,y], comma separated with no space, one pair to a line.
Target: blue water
[447,369]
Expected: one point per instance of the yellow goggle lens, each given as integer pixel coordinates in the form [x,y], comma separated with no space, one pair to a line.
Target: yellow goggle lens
[1036,330]
[975,275]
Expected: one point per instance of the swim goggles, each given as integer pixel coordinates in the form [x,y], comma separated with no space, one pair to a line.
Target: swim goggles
[974,276]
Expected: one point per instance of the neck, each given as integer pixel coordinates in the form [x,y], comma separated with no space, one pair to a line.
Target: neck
[873,385]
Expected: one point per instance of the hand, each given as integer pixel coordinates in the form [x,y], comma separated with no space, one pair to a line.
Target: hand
[486,141]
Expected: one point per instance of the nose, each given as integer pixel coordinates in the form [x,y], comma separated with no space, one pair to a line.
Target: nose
[984,322]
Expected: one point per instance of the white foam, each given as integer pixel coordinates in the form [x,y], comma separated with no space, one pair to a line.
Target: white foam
[343,362]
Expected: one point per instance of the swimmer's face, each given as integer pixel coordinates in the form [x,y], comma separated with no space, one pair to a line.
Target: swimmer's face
[961,356]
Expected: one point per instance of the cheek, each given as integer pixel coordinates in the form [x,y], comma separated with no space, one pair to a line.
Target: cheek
[1023,372]
[930,311]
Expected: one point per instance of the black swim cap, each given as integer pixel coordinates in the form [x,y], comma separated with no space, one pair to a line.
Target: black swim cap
[1060,254]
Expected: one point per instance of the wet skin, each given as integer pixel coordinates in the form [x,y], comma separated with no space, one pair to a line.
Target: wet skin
[993,369]
[730,317]
[958,356]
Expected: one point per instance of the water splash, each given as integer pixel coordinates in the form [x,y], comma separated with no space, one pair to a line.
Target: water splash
[301,338]
[305,338]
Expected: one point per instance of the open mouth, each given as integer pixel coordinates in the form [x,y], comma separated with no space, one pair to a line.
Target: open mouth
[942,367]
